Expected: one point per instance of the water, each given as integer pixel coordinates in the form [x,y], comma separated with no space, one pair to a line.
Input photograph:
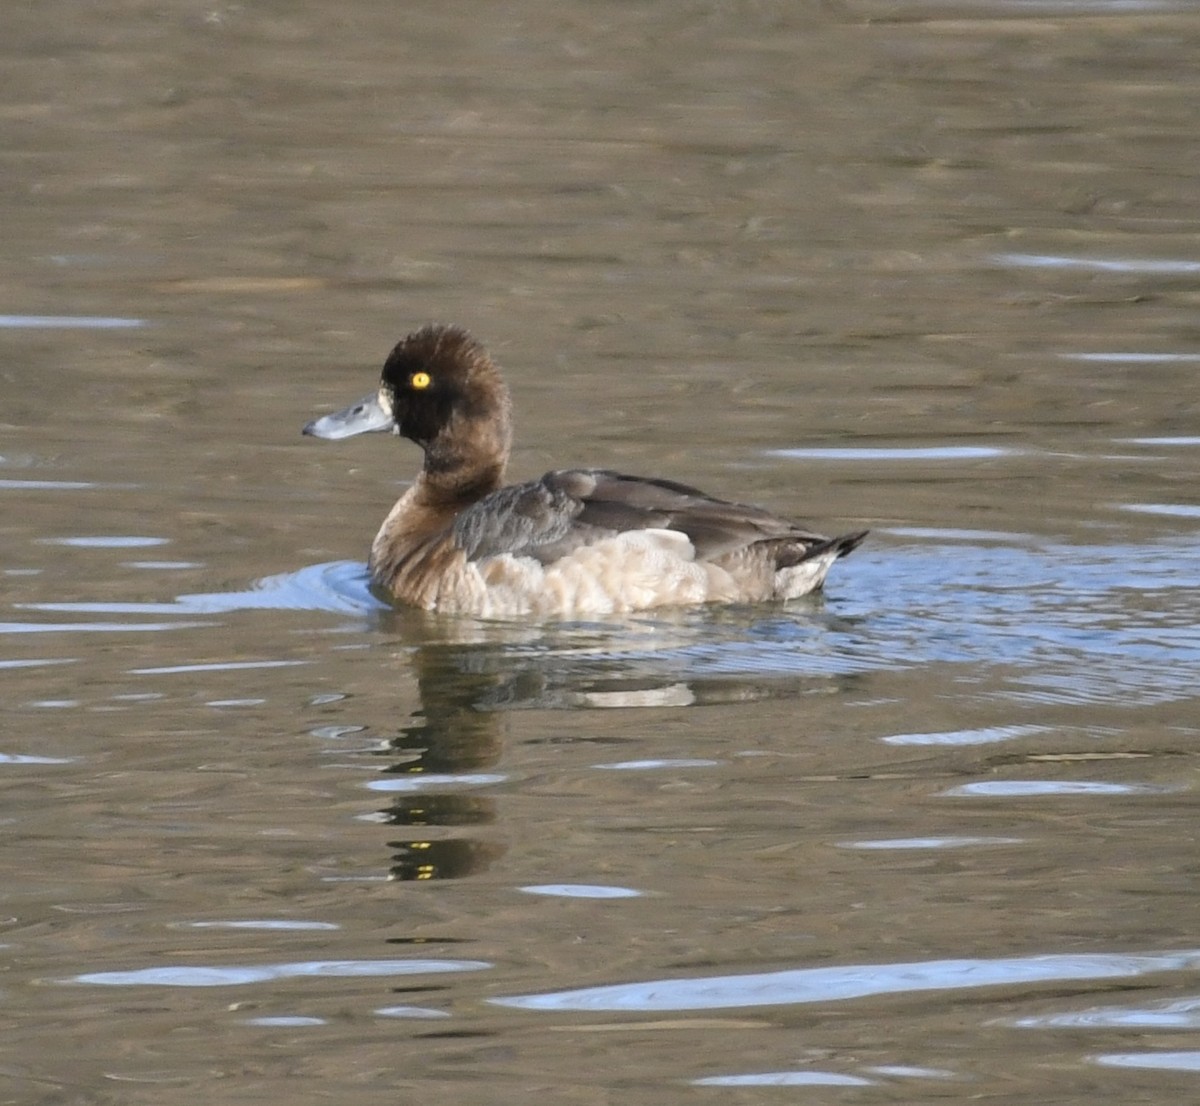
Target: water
[926,268]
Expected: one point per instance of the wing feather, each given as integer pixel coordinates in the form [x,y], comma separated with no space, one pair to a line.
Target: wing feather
[548,518]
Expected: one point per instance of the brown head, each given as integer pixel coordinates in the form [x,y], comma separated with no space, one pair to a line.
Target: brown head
[441,390]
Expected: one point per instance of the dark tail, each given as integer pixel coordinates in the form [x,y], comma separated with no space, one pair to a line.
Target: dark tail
[842,544]
[796,553]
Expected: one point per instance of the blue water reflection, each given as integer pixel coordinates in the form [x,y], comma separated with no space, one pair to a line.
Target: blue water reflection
[895,453]
[95,627]
[1146,266]
[581,891]
[960,842]
[285,1021]
[415,1012]
[33,758]
[1163,1061]
[1024,789]
[262,923]
[237,975]
[1183,1013]
[68,322]
[340,587]
[805,985]
[988,735]
[784,1079]
[107,541]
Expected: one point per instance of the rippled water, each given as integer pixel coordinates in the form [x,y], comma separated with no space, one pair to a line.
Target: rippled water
[927,268]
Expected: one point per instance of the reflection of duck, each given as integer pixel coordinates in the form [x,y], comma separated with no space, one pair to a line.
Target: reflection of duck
[449,740]
[575,540]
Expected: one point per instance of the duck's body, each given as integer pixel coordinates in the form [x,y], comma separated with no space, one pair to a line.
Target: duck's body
[576,541]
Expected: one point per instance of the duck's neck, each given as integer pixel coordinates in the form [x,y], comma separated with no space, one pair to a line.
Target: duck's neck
[466,462]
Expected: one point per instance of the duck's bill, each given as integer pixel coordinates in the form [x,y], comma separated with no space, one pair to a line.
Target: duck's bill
[366,415]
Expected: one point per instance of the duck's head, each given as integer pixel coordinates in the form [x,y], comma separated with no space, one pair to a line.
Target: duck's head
[441,390]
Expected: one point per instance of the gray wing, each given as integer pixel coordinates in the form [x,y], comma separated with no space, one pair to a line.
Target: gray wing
[549,517]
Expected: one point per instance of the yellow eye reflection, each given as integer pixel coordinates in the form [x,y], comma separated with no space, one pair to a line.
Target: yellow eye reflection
[421,381]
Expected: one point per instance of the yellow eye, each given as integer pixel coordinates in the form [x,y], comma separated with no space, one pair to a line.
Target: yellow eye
[420,381]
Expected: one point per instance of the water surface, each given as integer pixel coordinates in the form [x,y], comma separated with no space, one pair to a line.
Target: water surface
[928,268]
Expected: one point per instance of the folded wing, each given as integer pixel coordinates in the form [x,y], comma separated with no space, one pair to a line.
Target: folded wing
[550,517]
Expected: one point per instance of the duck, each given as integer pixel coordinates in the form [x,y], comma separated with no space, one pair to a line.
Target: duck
[576,541]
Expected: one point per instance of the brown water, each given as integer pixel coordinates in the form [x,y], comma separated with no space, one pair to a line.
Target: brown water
[927,267]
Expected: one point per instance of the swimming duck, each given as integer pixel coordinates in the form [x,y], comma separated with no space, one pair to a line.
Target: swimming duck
[575,541]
